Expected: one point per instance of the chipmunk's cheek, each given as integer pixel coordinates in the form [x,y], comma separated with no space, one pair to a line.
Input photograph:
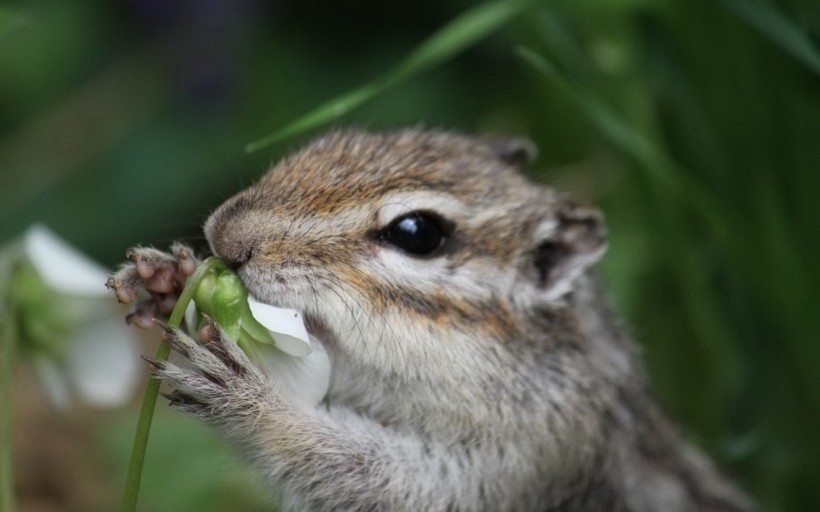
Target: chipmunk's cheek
[270,286]
[294,287]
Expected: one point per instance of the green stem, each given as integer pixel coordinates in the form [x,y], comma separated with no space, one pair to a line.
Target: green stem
[7,499]
[149,401]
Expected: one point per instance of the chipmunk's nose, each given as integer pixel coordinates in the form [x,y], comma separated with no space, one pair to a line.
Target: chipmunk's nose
[233,236]
[235,253]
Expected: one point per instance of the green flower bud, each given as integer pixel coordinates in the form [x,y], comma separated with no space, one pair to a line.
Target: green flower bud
[229,289]
[204,291]
[221,294]
[227,303]
[39,318]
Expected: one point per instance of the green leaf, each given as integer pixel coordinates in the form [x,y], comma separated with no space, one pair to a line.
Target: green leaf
[778,28]
[451,39]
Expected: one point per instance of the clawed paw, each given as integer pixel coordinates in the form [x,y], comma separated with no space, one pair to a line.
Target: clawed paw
[221,373]
[154,279]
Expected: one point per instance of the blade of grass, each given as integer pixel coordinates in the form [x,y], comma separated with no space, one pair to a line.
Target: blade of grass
[149,402]
[658,166]
[459,34]
[778,28]
[7,491]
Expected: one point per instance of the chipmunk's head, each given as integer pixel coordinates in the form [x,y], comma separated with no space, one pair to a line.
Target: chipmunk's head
[406,246]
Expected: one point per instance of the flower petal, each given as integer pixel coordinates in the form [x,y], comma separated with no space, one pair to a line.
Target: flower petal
[101,362]
[286,325]
[305,378]
[61,266]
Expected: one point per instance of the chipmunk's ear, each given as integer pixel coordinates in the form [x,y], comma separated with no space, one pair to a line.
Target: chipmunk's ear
[513,151]
[566,245]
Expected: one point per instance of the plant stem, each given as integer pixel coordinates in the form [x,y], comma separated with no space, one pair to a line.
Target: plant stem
[149,401]
[7,498]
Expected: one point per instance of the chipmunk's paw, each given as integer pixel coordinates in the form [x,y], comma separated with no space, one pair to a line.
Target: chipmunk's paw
[157,275]
[223,386]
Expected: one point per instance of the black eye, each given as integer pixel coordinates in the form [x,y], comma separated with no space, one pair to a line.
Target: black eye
[417,233]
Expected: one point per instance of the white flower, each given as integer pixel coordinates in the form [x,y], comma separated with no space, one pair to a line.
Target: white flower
[68,328]
[286,326]
[298,360]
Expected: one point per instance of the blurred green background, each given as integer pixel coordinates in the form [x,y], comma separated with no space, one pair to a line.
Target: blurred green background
[694,124]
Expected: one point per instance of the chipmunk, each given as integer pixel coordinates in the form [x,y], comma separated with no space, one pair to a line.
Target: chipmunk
[476,364]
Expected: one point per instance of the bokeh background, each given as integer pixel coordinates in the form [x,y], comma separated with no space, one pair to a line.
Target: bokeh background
[695,125]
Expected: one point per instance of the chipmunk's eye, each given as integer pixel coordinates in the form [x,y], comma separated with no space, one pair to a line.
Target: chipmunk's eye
[417,233]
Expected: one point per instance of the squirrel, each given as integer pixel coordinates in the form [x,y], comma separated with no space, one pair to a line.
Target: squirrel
[476,363]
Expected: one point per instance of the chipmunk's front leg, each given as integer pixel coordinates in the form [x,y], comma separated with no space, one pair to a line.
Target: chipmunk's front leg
[223,389]
[318,459]
[317,468]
